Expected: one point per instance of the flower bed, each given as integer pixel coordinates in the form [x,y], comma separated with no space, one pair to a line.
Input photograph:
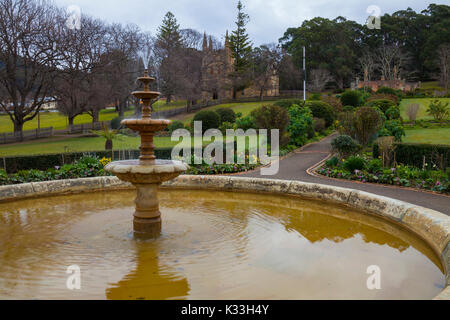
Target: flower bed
[88,167]
[401,175]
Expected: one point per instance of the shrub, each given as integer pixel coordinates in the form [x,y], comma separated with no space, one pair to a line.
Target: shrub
[332,162]
[354,163]
[348,109]
[272,117]
[209,119]
[382,104]
[351,98]
[387,90]
[334,102]
[246,123]
[439,110]
[346,123]
[393,113]
[367,123]
[344,145]
[384,96]
[115,123]
[225,126]
[395,128]
[175,125]
[287,103]
[319,125]
[415,154]
[226,115]
[322,110]
[315,97]
[300,126]
[411,111]
[375,166]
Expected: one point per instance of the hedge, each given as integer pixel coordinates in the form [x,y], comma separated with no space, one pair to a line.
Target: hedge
[413,153]
[47,161]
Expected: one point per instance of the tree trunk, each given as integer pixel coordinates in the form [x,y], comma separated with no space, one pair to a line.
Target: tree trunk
[121,109]
[108,145]
[168,99]
[18,129]
[71,118]
[261,95]
[234,93]
[95,116]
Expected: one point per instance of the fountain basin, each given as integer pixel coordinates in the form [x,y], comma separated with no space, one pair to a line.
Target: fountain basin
[284,201]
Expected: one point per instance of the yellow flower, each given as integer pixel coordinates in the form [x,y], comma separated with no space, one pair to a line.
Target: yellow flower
[105,161]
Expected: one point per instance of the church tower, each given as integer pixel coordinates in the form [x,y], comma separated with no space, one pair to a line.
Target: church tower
[205,43]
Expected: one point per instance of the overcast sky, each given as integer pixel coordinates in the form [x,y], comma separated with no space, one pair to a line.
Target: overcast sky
[269,19]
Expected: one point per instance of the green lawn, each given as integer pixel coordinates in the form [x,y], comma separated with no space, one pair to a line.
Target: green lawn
[60,122]
[431,136]
[424,103]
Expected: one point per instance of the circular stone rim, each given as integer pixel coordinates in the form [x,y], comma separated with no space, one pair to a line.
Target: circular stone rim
[431,226]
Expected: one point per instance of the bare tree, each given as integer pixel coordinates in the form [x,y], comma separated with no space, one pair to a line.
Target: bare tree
[391,60]
[367,63]
[82,53]
[266,62]
[28,39]
[411,111]
[318,78]
[444,64]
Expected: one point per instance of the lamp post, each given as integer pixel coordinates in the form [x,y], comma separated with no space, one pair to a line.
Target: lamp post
[304,73]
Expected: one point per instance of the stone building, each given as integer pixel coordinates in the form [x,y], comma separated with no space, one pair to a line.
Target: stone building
[397,83]
[216,84]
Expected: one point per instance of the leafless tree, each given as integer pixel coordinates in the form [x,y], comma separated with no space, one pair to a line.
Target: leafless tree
[318,78]
[444,64]
[368,65]
[266,64]
[28,39]
[391,60]
[83,55]
[411,111]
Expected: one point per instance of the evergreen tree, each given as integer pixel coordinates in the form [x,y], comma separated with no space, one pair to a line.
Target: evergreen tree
[169,36]
[241,49]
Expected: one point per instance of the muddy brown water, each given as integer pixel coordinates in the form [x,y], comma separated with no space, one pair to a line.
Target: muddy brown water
[214,245]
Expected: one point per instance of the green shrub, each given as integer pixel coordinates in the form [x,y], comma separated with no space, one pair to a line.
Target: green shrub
[348,109]
[354,163]
[226,115]
[300,126]
[175,125]
[315,97]
[414,154]
[351,98]
[287,103]
[439,110]
[384,96]
[246,123]
[332,162]
[382,104]
[115,123]
[367,123]
[226,126]
[319,125]
[393,113]
[334,102]
[387,90]
[395,129]
[344,145]
[375,166]
[273,117]
[322,110]
[209,119]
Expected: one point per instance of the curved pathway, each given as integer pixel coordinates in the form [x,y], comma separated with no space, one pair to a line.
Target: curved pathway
[295,166]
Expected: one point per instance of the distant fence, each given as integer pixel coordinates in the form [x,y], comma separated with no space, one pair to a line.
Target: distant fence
[86,127]
[26,135]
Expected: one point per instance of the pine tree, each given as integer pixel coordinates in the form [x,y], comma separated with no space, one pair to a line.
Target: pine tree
[241,49]
[169,36]
[239,42]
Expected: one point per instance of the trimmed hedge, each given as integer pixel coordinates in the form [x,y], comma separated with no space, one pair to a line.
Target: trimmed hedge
[47,161]
[412,153]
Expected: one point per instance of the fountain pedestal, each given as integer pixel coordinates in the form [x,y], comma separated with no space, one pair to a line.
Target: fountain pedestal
[147,173]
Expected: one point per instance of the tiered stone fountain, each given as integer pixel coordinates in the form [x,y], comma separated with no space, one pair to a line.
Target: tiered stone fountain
[147,173]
